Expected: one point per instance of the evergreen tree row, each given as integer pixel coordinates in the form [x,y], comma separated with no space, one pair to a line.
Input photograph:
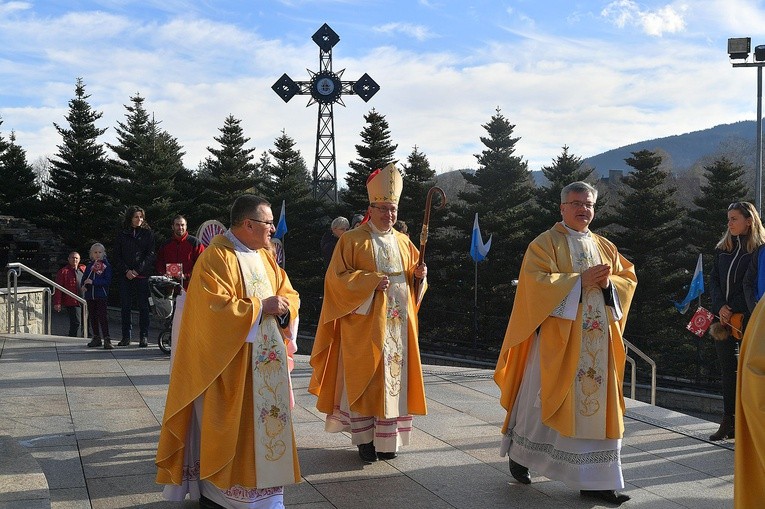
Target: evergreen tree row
[86,189]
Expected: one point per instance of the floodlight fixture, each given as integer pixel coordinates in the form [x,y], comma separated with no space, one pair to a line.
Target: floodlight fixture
[759,53]
[739,47]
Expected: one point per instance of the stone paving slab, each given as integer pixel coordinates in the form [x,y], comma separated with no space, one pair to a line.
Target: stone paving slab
[21,478]
[89,421]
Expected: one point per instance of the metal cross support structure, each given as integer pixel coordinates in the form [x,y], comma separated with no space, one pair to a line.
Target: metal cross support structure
[326,88]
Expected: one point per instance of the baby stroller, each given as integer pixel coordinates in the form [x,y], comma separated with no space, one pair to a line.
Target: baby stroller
[162,300]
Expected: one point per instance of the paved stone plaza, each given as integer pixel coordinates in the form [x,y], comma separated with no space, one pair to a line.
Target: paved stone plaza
[79,427]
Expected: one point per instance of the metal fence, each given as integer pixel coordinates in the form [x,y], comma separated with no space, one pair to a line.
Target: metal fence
[463,336]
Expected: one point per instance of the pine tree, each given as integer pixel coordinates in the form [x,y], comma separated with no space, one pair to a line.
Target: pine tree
[502,193]
[419,177]
[133,135]
[3,143]
[19,194]
[162,182]
[565,169]
[149,166]
[650,236]
[377,151]
[503,197]
[724,185]
[82,196]
[228,173]
[288,174]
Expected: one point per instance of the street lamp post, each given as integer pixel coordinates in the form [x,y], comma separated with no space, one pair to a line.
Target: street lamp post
[739,49]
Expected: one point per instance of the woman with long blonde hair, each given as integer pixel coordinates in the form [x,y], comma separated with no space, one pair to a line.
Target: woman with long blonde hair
[733,255]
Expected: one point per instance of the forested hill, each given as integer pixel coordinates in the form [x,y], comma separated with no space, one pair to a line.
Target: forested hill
[684,149]
[736,141]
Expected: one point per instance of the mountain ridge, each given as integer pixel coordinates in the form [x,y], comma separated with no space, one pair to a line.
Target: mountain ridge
[684,149]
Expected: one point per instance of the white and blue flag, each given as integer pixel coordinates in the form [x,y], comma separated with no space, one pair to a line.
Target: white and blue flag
[281,227]
[696,289]
[479,250]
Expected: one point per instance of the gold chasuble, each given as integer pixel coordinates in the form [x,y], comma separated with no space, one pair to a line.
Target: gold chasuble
[231,362]
[375,333]
[582,355]
[749,472]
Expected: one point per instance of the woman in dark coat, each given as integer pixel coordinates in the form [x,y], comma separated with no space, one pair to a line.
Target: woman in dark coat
[732,258]
[133,262]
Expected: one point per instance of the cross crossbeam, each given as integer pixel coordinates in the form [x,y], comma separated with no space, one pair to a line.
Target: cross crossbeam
[325,88]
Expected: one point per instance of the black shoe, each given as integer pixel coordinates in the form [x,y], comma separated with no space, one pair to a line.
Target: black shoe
[107,344]
[367,452]
[727,429]
[144,342]
[206,503]
[124,342]
[94,343]
[520,473]
[610,496]
[386,455]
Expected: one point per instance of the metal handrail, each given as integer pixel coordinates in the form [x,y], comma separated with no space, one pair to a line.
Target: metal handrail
[15,268]
[627,347]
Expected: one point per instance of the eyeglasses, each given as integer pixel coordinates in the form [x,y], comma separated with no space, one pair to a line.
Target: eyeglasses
[386,210]
[580,204]
[270,224]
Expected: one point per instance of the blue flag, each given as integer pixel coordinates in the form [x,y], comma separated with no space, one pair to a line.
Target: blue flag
[479,250]
[281,227]
[696,289]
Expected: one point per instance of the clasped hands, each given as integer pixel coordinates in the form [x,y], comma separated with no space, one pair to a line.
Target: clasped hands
[276,305]
[597,275]
[420,272]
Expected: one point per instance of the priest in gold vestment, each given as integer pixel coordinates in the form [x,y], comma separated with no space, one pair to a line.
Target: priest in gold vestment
[366,359]
[749,471]
[227,436]
[561,366]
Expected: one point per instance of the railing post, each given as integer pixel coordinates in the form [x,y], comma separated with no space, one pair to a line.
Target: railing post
[13,270]
[48,310]
[627,347]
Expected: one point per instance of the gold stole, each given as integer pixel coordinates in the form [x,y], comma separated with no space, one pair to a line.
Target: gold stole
[590,381]
[394,355]
[270,384]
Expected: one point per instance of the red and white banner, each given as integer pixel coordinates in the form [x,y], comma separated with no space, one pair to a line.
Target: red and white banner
[174,270]
[700,321]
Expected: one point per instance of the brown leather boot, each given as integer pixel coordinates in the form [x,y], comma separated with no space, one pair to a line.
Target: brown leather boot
[727,429]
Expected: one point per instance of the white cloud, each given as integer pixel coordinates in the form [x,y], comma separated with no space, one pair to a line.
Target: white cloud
[418,32]
[666,19]
[591,93]
[739,18]
[11,7]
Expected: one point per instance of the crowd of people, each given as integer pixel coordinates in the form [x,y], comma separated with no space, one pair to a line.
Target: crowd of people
[227,436]
[133,260]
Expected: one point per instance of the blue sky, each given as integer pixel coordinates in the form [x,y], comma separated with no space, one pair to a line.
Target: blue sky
[593,75]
